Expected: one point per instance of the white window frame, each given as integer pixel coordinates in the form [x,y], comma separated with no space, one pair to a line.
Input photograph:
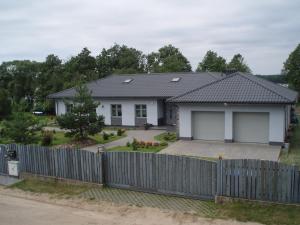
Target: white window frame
[141,111]
[116,110]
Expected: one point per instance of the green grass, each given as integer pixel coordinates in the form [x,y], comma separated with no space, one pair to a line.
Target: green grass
[167,136]
[293,156]
[50,187]
[99,138]
[269,214]
[153,149]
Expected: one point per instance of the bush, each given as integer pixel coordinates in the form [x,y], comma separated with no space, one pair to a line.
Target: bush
[47,138]
[135,145]
[155,144]
[120,132]
[149,144]
[142,144]
[170,137]
[128,144]
[105,136]
[163,143]
[111,134]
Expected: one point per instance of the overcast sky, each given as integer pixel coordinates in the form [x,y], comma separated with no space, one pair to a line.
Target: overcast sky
[263,31]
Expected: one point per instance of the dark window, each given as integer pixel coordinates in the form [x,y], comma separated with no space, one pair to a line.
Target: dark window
[171,113]
[141,111]
[116,110]
[69,108]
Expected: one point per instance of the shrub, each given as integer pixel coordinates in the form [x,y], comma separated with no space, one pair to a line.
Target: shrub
[105,136]
[149,144]
[147,126]
[155,144]
[163,143]
[128,144]
[135,145]
[47,138]
[170,137]
[142,144]
[111,134]
[120,132]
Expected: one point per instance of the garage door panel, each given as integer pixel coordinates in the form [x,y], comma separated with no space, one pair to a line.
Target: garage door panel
[208,125]
[251,127]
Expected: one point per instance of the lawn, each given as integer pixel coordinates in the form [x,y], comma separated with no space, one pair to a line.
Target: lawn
[152,149]
[167,136]
[50,187]
[59,138]
[259,212]
[293,157]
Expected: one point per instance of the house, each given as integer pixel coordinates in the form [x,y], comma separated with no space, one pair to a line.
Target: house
[235,107]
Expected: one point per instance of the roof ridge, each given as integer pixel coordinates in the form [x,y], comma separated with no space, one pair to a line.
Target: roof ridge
[260,84]
[196,89]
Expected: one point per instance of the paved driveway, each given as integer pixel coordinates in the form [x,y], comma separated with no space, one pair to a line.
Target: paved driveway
[226,150]
[140,135]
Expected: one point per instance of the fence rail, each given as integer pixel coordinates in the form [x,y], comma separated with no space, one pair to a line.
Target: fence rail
[168,174]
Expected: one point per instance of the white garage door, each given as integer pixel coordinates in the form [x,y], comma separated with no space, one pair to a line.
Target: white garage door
[208,125]
[251,127]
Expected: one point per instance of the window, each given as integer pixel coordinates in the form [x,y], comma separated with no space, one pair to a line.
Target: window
[141,111]
[69,108]
[116,110]
[171,114]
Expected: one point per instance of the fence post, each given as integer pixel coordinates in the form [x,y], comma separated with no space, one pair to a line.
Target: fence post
[103,166]
[219,177]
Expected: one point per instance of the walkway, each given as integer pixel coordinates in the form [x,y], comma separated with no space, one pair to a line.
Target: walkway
[141,135]
[211,149]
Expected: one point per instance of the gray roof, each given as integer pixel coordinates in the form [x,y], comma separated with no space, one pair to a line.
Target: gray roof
[238,88]
[144,85]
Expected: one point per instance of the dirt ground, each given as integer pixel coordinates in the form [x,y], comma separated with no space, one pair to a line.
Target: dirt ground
[23,208]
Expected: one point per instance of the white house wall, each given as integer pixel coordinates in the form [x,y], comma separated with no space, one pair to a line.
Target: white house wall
[276,115]
[60,107]
[128,110]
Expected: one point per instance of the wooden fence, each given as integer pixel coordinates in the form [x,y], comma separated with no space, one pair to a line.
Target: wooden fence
[259,180]
[161,173]
[3,160]
[60,163]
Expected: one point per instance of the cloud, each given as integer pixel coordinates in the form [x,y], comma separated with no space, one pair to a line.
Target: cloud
[264,32]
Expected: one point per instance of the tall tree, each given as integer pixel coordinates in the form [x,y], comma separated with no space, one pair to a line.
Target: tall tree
[167,59]
[82,120]
[120,60]
[212,63]
[238,63]
[49,80]
[5,103]
[81,67]
[292,68]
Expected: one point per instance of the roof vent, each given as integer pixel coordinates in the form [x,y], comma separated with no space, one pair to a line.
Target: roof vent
[176,79]
[127,81]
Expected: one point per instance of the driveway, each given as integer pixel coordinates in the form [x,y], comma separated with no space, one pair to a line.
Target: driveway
[210,149]
[140,135]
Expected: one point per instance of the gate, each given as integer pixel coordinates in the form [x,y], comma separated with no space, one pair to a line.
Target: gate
[3,160]
[160,173]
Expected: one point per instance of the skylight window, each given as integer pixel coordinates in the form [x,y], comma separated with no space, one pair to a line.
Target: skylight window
[176,79]
[127,81]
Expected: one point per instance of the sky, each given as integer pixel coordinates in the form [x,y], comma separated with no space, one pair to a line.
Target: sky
[263,31]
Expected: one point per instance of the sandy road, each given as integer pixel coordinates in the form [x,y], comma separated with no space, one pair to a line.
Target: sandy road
[19,210]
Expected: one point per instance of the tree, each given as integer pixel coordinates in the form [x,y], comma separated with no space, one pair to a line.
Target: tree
[238,63]
[81,67]
[212,63]
[5,103]
[292,68]
[167,59]
[22,126]
[49,80]
[120,60]
[82,120]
